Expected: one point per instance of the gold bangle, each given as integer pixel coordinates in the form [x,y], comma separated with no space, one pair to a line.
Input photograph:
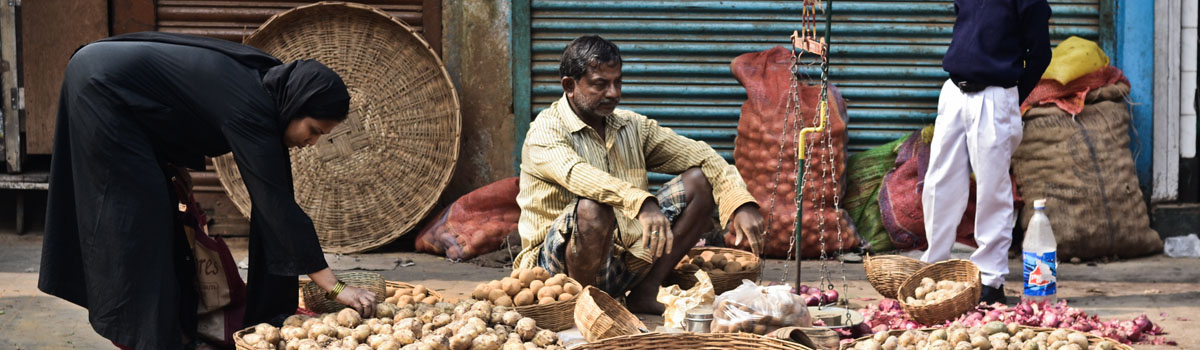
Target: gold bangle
[337,289]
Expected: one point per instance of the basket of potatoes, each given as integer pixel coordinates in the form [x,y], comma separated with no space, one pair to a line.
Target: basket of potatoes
[549,299]
[469,324]
[941,291]
[400,294]
[726,267]
[990,336]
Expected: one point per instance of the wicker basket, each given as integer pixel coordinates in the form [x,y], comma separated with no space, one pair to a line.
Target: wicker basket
[1091,338]
[375,176]
[721,281]
[557,316]
[957,270]
[598,316]
[314,296]
[887,272]
[692,341]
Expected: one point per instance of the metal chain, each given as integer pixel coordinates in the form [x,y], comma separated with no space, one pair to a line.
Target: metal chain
[792,102]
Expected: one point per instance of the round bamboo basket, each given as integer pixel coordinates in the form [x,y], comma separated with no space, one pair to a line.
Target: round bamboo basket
[1092,339]
[375,175]
[598,316]
[314,297]
[557,316]
[957,270]
[887,272]
[692,341]
[722,281]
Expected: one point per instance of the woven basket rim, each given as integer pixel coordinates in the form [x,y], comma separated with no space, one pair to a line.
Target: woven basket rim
[440,175]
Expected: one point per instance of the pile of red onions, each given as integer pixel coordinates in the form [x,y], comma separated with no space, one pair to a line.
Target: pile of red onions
[888,315]
[813,296]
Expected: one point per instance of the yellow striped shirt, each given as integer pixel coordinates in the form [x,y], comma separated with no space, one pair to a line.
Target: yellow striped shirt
[563,159]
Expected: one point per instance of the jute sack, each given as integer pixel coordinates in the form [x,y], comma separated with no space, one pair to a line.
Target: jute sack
[1083,166]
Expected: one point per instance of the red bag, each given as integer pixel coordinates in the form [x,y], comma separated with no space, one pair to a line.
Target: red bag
[221,301]
[767,78]
[475,224]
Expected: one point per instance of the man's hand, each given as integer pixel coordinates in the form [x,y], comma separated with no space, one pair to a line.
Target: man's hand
[656,229]
[747,224]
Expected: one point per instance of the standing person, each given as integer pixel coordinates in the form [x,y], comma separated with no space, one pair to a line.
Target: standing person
[135,104]
[585,209]
[999,51]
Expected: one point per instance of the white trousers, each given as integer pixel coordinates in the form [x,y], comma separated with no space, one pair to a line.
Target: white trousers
[975,131]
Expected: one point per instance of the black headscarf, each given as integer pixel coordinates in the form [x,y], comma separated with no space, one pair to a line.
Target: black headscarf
[307,88]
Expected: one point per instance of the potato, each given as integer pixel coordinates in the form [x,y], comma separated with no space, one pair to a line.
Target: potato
[555,290]
[513,346]
[441,320]
[718,261]
[320,329]
[554,281]
[437,342]
[481,291]
[504,301]
[486,342]
[461,341]
[540,274]
[733,266]
[482,306]
[404,300]
[495,294]
[760,329]
[511,286]
[430,299]
[546,292]
[496,285]
[545,338]
[526,328]
[536,285]
[252,338]
[708,266]
[420,289]
[382,310]
[526,277]
[707,255]
[268,332]
[295,320]
[573,288]
[525,297]
[565,296]
[546,300]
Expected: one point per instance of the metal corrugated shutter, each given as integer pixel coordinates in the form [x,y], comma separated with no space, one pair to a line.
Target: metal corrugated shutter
[235,19]
[886,57]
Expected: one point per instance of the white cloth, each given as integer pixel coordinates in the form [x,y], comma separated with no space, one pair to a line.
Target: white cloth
[975,131]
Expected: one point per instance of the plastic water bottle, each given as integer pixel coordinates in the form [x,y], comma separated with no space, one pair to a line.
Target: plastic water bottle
[1040,257]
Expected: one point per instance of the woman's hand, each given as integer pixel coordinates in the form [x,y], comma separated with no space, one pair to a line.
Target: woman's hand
[359,299]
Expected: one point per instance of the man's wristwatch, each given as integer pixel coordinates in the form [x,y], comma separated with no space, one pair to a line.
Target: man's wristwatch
[337,289]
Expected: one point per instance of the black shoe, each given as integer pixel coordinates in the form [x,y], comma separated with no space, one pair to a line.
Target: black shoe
[991,295]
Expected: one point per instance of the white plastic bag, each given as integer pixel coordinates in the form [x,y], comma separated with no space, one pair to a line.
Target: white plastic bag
[756,309]
[1182,246]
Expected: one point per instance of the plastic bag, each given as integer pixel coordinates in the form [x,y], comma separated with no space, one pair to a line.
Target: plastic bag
[1182,247]
[679,301]
[1074,58]
[755,309]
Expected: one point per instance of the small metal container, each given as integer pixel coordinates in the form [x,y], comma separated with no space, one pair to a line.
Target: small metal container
[699,319]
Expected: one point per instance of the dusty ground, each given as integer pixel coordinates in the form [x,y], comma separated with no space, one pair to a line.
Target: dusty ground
[1168,290]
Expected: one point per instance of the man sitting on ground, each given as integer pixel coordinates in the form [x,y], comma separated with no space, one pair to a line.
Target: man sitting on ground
[585,209]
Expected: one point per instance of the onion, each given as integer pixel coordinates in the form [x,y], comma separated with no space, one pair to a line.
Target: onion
[832,296]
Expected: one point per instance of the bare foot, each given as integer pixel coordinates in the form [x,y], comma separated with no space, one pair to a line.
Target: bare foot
[644,303]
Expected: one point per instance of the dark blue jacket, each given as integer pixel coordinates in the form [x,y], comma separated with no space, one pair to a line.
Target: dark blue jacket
[1000,43]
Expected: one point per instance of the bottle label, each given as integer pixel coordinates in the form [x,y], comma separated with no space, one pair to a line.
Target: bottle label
[1041,272]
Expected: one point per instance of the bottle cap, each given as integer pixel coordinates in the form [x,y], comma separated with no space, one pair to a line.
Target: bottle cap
[1039,204]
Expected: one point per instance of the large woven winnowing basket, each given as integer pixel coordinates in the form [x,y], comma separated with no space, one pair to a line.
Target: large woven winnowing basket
[692,341]
[957,270]
[1092,339]
[887,272]
[379,172]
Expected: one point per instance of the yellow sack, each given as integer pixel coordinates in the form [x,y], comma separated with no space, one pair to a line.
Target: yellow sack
[1074,58]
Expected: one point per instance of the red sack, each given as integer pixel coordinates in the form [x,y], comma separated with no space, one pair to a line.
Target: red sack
[900,197]
[475,224]
[767,78]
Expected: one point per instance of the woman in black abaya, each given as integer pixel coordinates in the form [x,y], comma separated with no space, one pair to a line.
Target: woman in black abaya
[133,104]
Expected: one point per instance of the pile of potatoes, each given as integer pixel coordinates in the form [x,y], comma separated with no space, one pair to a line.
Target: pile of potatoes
[527,287]
[410,295]
[468,325]
[714,263]
[930,292]
[991,336]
